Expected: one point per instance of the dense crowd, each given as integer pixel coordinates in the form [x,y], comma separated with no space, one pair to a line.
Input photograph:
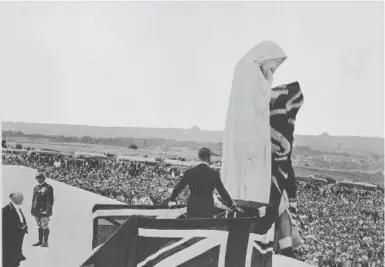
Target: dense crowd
[129,182]
[338,224]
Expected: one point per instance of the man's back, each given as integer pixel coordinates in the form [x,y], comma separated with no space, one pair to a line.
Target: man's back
[202,180]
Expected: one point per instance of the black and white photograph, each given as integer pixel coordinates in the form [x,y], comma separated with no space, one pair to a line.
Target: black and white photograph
[192,133]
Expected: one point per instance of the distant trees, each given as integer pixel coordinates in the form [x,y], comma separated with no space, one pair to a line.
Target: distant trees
[12,133]
[70,139]
[133,146]
[86,139]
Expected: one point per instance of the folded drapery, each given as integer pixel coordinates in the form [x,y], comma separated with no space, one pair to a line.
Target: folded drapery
[246,155]
[284,106]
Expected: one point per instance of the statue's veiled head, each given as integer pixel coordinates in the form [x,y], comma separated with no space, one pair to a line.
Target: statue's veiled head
[269,56]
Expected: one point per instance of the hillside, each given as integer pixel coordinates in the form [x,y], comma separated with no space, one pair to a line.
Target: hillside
[349,144]
[193,134]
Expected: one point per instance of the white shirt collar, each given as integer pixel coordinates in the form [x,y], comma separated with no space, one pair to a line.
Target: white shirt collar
[18,211]
[15,205]
[203,162]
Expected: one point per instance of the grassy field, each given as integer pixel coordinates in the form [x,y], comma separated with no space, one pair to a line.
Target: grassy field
[189,154]
[155,151]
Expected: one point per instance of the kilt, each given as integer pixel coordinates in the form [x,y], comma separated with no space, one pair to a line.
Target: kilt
[42,222]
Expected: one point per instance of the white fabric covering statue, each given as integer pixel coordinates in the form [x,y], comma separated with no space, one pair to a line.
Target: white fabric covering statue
[246,154]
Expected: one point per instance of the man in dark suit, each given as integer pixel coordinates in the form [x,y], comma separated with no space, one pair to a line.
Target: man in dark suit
[42,203]
[202,180]
[14,229]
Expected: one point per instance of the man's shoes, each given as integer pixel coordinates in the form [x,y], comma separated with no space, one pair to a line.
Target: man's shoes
[38,244]
[40,238]
[45,238]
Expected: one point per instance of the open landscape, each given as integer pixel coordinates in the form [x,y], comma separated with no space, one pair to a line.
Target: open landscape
[358,159]
[324,205]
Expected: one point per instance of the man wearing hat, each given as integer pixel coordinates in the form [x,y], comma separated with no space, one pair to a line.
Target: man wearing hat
[42,203]
[202,180]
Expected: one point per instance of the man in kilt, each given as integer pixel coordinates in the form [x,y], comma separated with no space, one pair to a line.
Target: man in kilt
[42,203]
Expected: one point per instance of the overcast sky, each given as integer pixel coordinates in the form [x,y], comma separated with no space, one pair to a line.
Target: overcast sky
[170,64]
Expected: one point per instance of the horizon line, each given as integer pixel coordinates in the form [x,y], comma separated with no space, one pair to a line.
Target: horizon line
[180,128]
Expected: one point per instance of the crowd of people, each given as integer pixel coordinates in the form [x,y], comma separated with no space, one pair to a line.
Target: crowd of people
[338,224]
[128,182]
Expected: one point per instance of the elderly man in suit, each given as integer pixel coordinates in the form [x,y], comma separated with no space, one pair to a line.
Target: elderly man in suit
[42,203]
[14,229]
[202,180]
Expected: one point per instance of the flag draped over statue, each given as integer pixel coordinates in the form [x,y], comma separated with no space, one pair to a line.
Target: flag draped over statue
[258,138]
[285,103]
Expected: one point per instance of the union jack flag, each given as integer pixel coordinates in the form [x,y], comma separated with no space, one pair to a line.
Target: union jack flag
[284,106]
[147,241]
[178,247]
